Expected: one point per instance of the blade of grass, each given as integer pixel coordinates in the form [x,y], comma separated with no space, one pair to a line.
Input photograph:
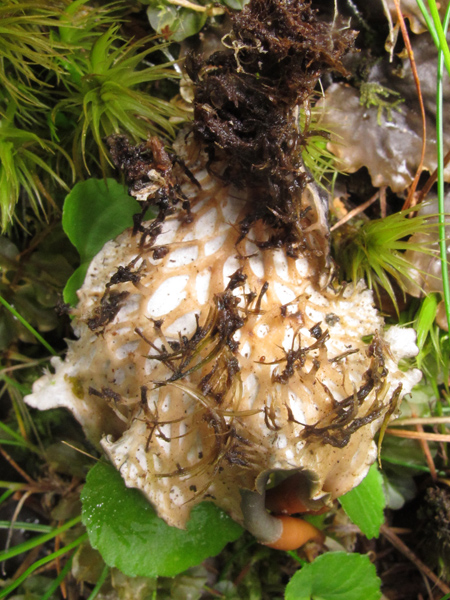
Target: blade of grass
[297,558]
[429,22]
[26,526]
[12,486]
[12,443]
[99,583]
[30,328]
[443,53]
[23,389]
[19,440]
[41,539]
[42,562]
[441,30]
[57,582]
[5,496]
[402,463]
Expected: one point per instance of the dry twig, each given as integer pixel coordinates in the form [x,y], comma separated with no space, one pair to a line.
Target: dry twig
[403,548]
[419,435]
[410,200]
[356,211]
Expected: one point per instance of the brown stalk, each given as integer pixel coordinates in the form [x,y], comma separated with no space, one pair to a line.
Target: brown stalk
[431,180]
[418,435]
[80,451]
[409,554]
[30,558]
[356,211]
[383,204]
[13,463]
[17,510]
[427,453]
[420,421]
[410,199]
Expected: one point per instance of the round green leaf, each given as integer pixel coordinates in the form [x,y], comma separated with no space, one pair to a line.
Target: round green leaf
[95,212]
[335,576]
[125,529]
[365,503]
[175,22]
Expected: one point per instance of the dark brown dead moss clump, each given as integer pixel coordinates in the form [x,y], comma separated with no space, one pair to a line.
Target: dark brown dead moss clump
[246,116]
[149,166]
[247,97]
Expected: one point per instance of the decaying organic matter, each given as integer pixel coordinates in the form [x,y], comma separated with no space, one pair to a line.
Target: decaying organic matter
[246,106]
[215,348]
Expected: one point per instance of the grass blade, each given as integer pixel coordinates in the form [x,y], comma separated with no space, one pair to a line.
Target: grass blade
[30,544]
[42,562]
[99,583]
[443,53]
[26,526]
[56,583]
[30,328]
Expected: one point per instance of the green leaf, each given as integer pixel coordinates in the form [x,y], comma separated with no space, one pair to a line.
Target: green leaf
[95,212]
[365,503]
[335,576]
[74,283]
[125,529]
[179,23]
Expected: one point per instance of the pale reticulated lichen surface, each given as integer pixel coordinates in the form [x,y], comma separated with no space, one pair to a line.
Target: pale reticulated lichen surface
[207,360]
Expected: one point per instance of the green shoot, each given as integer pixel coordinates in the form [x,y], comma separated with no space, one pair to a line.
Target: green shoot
[30,328]
[440,145]
[80,26]
[441,30]
[5,497]
[100,582]
[105,100]
[24,158]
[26,526]
[317,159]
[58,580]
[374,250]
[12,487]
[25,44]
[427,330]
[438,33]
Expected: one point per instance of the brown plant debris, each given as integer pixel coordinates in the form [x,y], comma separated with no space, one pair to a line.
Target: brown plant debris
[247,97]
